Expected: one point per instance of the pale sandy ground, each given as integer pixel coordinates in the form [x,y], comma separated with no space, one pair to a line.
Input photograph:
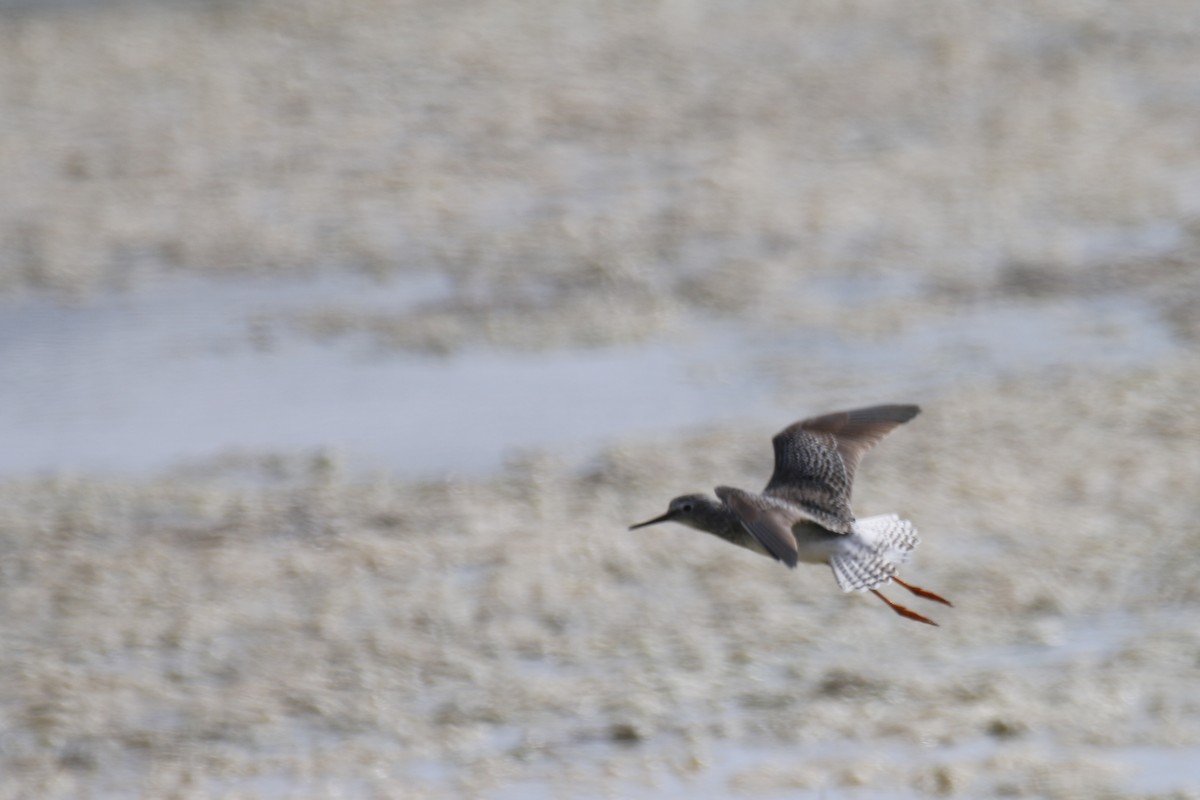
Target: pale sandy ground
[192,639]
[593,175]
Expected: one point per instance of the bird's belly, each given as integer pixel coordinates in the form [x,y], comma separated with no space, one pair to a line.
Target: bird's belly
[814,544]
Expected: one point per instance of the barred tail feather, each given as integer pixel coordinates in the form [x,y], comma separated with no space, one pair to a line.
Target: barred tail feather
[871,554]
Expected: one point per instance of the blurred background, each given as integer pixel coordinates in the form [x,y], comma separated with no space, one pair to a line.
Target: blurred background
[340,342]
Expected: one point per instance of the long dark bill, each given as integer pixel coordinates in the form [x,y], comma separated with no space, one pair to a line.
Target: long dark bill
[654,521]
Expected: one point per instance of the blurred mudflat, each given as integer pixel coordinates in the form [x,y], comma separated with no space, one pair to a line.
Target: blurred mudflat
[305,633]
[341,342]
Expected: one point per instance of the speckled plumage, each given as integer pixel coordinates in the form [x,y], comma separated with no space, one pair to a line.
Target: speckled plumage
[804,513]
[815,459]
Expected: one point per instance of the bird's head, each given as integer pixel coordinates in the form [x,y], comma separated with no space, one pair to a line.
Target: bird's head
[682,509]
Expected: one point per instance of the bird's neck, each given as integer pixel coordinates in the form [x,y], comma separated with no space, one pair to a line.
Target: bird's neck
[716,518]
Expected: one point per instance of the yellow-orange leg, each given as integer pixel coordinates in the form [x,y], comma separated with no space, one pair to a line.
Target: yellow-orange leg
[902,611]
[919,592]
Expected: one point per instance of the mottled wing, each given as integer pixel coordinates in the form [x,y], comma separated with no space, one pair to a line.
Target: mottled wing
[858,431]
[767,519]
[815,459]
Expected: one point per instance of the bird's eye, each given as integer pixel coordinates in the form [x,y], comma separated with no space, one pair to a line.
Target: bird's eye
[686,507]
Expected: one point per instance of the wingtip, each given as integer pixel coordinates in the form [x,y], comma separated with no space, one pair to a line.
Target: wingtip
[895,413]
[898,412]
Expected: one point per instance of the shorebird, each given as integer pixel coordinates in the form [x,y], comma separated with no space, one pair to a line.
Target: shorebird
[804,513]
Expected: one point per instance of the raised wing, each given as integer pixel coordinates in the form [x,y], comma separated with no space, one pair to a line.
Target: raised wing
[815,459]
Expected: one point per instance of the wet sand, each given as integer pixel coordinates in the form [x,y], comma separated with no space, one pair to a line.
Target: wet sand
[454,637]
[883,183]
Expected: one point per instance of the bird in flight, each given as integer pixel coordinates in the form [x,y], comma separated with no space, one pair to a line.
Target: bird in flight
[804,513]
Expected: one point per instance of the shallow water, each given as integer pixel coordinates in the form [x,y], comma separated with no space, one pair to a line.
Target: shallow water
[180,372]
[188,370]
[759,213]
